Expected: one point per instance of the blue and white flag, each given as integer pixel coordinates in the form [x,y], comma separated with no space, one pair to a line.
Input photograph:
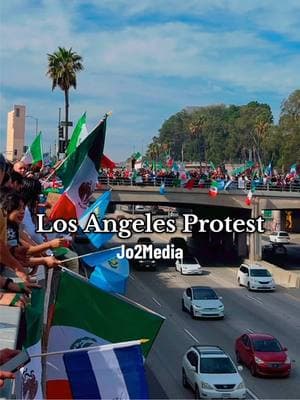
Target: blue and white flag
[162,189]
[293,169]
[108,372]
[110,273]
[268,170]
[99,209]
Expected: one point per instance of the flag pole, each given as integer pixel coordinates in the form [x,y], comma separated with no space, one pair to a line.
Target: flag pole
[109,346]
[56,168]
[87,254]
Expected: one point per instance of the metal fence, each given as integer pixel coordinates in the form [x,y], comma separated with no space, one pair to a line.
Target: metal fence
[171,182]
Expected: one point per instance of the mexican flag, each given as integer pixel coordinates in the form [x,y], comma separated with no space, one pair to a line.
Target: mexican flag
[79,134]
[34,154]
[213,190]
[86,316]
[138,160]
[29,381]
[79,175]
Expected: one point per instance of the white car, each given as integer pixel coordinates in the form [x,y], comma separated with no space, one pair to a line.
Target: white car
[255,277]
[202,301]
[280,237]
[188,266]
[211,373]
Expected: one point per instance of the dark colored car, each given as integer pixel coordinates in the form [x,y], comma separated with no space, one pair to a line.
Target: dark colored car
[146,263]
[262,354]
[180,243]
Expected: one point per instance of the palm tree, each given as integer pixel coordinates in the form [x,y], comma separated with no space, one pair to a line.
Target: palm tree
[260,130]
[63,65]
[196,130]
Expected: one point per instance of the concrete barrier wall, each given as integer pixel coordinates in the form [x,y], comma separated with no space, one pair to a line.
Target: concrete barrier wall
[290,279]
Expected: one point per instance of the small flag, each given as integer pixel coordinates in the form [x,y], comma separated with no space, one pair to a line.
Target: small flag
[213,190]
[98,208]
[107,373]
[189,184]
[293,169]
[212,166]
[34,154]
[162,189]
[87,316]
[110,273]
[249,198]
[79,134]
[268,170]
[29,382]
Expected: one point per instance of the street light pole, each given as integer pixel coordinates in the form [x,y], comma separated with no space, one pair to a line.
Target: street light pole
[36,123]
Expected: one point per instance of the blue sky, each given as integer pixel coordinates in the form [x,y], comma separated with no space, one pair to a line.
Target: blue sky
[146,60]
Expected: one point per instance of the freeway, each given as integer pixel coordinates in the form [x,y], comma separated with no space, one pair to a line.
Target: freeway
[276,313]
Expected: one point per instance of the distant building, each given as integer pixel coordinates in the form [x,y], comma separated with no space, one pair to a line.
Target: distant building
[15,133]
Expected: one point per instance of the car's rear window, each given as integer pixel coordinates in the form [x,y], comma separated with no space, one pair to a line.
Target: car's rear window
[204,294]
[189,260]
[283,234]
[217,365]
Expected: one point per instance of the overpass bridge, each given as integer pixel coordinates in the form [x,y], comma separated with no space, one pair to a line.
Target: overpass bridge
[227,203]
[262,200]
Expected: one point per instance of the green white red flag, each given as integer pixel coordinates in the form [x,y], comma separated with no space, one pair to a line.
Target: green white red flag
[86,316]
[29,380]
[34,154]
[213,190]
[79,174]
[79,134]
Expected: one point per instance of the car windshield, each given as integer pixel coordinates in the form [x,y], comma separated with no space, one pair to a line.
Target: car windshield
[204,294]
[144,240]
[259,272]
[271,345]
[217,365]
[283,234]
[189,260]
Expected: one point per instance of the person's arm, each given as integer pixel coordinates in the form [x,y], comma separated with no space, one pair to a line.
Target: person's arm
[50,262]
[35,249]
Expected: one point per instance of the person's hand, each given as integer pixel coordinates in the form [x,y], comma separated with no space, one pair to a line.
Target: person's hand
[23,275]
[51,262]
[22,287]
[59,242]
[21,254]
[15,300]
[5,375]
[33,270]
[6,354]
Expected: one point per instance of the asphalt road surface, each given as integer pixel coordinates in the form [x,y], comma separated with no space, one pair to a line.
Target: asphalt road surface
[276,313]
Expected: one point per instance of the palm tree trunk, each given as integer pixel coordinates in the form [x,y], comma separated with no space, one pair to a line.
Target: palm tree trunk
[67,115]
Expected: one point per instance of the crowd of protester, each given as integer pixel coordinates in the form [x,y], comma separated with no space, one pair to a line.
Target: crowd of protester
[24,253]
[201,177]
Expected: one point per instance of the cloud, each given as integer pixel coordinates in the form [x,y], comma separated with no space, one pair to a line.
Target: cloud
[146,60]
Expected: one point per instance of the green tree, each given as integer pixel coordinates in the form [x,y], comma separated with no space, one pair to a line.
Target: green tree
[289,126]
[63,65]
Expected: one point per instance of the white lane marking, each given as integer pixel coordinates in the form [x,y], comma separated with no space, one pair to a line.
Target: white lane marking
[155,301]
[254,298]
[250,330]
[193,337]
[131,277]
[253,395]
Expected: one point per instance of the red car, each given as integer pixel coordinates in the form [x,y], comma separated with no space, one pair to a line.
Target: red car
[262,354]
